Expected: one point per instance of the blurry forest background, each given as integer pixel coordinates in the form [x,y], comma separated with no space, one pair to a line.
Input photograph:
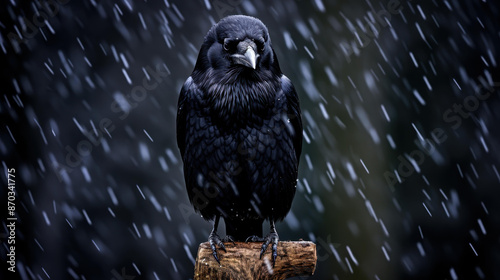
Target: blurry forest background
[399,177]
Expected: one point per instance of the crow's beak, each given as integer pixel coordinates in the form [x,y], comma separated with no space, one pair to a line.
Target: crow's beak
[248,58]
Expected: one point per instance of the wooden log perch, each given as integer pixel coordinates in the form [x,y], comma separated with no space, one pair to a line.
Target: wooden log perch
[241,261]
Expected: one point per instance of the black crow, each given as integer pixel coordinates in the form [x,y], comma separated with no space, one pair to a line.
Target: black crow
[239,131]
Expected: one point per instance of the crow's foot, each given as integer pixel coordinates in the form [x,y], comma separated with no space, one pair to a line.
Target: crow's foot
[214,241]
[272,238]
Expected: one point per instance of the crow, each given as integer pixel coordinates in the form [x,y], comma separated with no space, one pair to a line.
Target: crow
[239,132]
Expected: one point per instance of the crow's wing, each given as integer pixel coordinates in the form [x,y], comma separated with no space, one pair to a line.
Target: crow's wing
[183,107]
[293,112]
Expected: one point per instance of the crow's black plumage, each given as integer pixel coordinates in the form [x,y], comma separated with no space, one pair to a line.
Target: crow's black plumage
[239,132]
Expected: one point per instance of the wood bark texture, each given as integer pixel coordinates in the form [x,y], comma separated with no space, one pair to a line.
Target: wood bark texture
[241,261]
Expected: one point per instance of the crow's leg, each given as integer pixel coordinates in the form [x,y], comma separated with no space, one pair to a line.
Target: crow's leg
[214,240]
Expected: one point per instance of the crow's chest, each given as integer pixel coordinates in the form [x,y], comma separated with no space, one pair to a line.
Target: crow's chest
[240,104]
[246,138]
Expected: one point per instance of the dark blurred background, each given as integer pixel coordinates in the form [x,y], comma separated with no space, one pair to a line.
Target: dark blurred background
[399,177]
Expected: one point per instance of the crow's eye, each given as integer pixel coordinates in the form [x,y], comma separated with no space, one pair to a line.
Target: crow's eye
[260,44]
[230,44]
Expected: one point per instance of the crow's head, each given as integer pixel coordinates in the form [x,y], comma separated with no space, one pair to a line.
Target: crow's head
[237,42]
[237,68]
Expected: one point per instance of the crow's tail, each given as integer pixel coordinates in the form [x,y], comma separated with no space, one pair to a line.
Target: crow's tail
[241,230]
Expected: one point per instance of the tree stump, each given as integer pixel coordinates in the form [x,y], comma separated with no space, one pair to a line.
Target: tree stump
[241,261]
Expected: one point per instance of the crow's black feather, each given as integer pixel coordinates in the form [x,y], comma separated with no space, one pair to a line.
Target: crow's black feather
[239,129]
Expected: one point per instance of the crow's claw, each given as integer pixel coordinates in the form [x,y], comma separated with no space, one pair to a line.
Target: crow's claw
[254,238]
[214,241]
[272,238]
[228,238]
